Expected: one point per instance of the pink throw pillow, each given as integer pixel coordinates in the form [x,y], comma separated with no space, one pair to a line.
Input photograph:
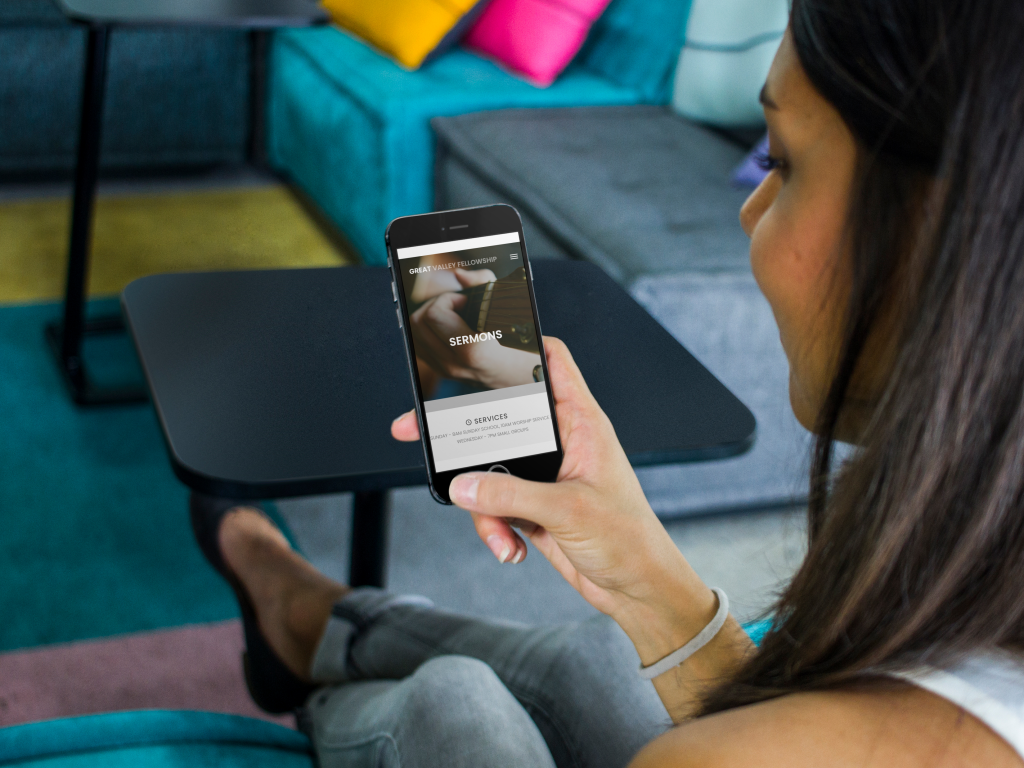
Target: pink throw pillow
[536,38]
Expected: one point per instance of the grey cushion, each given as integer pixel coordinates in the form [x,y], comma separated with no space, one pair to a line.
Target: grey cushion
[646,195]
[725,321]
[460,187]
[637,190]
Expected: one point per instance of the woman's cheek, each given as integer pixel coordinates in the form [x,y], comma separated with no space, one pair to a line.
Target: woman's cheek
[781,275]
[771,263]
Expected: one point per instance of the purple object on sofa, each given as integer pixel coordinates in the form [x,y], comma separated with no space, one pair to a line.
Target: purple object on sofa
[750,172]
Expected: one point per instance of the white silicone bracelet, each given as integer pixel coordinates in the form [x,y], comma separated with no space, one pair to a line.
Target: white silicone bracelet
[705,636]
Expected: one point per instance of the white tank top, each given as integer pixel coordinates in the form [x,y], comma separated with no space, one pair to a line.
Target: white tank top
[988,684]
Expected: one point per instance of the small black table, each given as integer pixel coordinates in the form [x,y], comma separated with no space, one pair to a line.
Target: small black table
[99,16]
[283,383]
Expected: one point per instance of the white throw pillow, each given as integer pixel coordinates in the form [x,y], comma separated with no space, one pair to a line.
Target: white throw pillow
[726,55]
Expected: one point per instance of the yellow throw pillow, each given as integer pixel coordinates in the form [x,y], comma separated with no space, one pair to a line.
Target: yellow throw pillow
[406,30]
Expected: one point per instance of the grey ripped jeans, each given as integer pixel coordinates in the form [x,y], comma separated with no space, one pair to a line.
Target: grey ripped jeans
[408,685]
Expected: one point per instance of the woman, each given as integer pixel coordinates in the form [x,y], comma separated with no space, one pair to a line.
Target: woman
[888,239]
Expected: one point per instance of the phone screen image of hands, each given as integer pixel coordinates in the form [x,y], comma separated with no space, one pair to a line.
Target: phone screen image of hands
[477,353]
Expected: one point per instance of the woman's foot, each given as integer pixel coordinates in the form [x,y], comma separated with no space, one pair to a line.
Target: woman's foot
[292,599]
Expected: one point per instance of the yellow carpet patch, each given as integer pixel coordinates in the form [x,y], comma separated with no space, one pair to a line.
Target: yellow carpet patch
[144,234]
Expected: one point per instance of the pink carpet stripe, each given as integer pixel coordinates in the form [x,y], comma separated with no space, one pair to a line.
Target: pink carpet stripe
[196,667]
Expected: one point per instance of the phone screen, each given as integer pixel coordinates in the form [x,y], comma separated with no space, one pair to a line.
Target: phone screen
[477,356]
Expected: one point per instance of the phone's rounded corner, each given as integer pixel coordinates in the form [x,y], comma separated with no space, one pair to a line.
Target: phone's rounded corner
[438,497]
[514,210]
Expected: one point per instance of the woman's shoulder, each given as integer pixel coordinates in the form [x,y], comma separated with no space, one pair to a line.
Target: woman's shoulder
[893,725]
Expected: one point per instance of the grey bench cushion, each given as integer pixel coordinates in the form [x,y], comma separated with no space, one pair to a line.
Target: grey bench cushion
[728,325]
[636,190]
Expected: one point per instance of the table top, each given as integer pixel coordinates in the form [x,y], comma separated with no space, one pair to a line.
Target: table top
[250,14]
[279,383]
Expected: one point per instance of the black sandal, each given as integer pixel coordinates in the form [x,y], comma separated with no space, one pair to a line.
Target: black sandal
[274,687]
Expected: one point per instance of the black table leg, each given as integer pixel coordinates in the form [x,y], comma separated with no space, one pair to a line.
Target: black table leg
[368,563]
[66,336]
[259,40]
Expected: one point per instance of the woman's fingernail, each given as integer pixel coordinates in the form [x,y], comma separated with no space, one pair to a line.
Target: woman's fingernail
[500,549]
[463,489]
[518,557]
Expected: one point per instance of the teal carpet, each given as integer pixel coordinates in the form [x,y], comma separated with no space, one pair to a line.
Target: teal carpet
[94,534]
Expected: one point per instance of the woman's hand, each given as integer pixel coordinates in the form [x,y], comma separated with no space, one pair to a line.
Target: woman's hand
[594,524]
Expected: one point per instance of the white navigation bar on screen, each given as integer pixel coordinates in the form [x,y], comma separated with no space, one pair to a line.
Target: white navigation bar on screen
[457,245]
[548,446]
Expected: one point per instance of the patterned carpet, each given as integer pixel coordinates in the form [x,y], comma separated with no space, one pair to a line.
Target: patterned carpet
[194,667]
[106,602]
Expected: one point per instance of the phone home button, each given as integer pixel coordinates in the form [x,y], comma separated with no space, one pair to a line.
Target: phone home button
[498,468]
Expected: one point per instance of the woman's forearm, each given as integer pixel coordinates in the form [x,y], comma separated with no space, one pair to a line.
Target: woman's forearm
[683,688]
[678,607]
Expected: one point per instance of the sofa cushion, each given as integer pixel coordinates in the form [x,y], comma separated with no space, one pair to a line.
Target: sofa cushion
[636,190]
[174,96]
[155,739]
[726,323]
[535,38]
[458,186]
[406,30]
[352,128]
[30,12]
[635,43]
[730,45]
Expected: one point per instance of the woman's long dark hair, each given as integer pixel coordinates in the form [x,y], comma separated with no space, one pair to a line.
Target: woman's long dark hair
[916,547]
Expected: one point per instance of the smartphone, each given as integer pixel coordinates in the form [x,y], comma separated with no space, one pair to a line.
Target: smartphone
[464,293]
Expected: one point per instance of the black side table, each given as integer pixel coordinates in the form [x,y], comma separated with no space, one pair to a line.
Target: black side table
[283,383]
[100,16]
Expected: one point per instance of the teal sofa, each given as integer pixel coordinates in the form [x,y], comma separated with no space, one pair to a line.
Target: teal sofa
[155,739]
[175,97]
[352,129]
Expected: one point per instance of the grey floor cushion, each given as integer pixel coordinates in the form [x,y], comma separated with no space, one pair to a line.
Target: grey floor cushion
[727,324]
[636,190]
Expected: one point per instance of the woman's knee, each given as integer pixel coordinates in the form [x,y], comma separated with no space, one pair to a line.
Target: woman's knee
[592,698]
[457,710]
[456,692]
